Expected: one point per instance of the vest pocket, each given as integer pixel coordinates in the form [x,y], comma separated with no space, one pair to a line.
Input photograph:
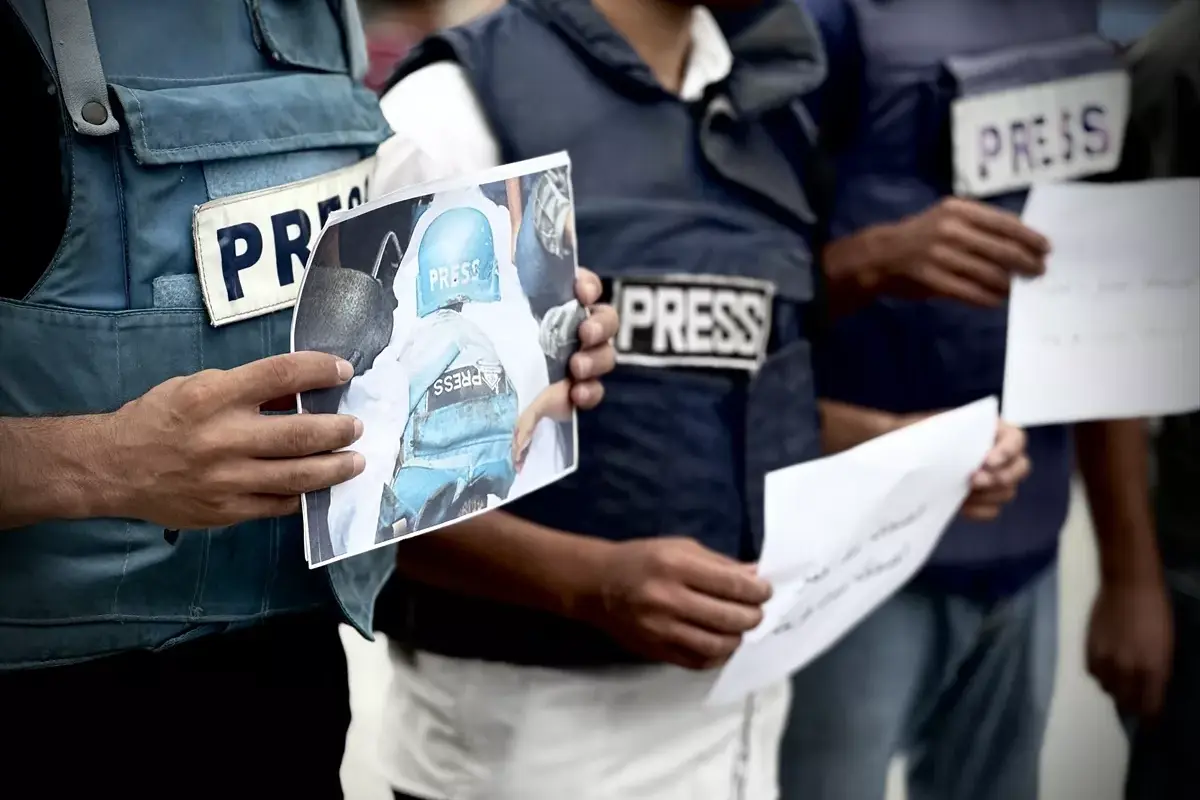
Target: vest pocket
[285,114]
[249,169]
[300,33]
[62,362]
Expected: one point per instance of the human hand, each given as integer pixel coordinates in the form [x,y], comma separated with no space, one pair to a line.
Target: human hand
[675,601]
[995,483]
[523,436]
[596,356]
[196,451]
[1131,642]
[965,250]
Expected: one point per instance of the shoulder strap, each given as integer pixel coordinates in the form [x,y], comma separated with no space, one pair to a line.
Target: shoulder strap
[77,62]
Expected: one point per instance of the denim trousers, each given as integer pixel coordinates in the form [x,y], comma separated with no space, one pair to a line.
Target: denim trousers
[961,689]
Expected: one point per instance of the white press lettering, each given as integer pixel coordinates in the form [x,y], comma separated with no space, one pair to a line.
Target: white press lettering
[251,249]
[684,322]
[637,311]
[699,321]
[1059,130]
[668,333]
[725,342]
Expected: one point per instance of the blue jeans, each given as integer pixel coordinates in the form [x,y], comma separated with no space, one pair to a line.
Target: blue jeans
[962,689]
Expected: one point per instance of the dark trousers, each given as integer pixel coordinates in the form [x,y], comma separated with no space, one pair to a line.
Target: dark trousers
[262,712]
[1165,758]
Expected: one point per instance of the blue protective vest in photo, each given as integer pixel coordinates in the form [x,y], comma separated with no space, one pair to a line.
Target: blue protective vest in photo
[120,308]
[895,69]
[457,445]
[711,191]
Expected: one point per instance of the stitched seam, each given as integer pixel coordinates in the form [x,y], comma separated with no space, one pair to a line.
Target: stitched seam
[272,567]
[195,609]
[742,759]
[120,191]
[274,544]
[301,137]
[132,314]
[124,221]
[116,601]
[223,80]
[145,120]
[135,617]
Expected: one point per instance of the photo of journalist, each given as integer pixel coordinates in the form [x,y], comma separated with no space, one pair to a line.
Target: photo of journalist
[456,308]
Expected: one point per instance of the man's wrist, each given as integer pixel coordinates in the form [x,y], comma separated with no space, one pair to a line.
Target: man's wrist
[583,594]
[869,260]
[94,478]
[60,468]
[1129,557]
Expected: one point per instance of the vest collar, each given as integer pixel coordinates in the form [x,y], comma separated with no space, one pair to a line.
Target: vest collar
[778,56]
[777,53]
[587,31]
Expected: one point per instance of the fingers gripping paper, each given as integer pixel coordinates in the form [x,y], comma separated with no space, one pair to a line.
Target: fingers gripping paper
[845,533]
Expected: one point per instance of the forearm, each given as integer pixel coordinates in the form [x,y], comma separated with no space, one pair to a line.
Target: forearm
[501,557]
[55,468]
[844,426]
[1114,461]
[554,402]
[857,267]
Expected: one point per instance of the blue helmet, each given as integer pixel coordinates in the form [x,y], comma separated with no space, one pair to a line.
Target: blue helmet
[456,261]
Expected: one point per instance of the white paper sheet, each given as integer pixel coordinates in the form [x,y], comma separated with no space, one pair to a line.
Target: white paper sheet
[846,532]
[1112,330]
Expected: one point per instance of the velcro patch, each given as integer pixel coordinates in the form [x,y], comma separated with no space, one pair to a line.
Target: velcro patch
[251,249]
[702,321]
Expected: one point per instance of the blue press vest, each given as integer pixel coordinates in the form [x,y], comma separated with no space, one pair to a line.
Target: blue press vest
[661,186]
[910,356]
[457,444]
[119,309]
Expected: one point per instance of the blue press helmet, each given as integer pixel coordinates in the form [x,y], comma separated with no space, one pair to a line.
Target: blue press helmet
[456,261]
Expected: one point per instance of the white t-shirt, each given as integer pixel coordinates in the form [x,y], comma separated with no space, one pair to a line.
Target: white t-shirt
[456,729]
[450,135]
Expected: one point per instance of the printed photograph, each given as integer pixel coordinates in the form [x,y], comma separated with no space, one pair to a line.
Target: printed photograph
[455,303]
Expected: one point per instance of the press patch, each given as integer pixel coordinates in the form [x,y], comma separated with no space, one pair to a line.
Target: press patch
[251,248]
[1054,131]
[703,321]
[478,381]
